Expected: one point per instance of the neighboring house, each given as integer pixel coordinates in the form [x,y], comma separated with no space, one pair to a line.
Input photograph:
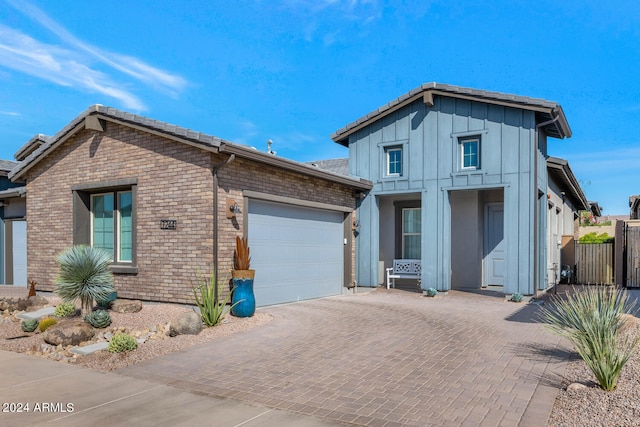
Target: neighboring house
[168,202]
[634,207]
[13,229]
[564,201]
[461,182]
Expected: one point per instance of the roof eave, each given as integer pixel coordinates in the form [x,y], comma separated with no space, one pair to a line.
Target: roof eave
[577,195]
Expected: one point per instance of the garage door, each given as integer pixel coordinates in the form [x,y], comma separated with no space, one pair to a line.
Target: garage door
[297,252]
[19,248]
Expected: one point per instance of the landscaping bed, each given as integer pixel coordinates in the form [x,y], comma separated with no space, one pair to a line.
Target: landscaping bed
[150,326]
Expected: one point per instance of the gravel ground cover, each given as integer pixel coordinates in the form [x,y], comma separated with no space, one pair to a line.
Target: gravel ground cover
[151,323]
[590,405]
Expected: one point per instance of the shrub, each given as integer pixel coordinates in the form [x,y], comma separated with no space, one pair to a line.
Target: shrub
[29,325]
[46,323]
[212,310]
[84,274]
[121,343]
[65,309]
[593,237]
[591,319]
[98,319]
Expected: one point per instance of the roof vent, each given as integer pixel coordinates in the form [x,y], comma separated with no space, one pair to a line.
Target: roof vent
[269,150]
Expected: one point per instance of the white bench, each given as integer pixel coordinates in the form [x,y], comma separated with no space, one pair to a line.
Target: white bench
[404,269]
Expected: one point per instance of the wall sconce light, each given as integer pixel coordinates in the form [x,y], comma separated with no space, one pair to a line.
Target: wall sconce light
[232,208]
[355,225]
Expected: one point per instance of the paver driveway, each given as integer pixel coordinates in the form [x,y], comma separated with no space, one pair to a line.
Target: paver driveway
[382,359]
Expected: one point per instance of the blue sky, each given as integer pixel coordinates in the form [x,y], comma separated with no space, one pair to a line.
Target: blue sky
[294,71]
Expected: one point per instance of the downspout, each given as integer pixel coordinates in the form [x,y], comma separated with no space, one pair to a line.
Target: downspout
[214,171]
[535,200]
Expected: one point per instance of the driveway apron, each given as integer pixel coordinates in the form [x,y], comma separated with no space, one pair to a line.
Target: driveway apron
[385,358]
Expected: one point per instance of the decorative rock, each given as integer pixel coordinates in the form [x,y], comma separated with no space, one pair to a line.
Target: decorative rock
[36,302]
[577,387]
[71,332]
[126,306]
[627,321]
[189,323]
[13,304]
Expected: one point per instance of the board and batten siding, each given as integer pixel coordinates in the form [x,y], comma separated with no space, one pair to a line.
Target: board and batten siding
[429,138]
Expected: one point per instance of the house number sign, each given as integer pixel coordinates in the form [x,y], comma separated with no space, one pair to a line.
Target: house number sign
[168,224]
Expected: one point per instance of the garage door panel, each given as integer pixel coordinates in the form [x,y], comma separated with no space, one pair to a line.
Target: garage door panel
[297,252]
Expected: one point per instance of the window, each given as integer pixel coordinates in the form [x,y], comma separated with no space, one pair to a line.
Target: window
[111,224]
[411,233]
[104,216]
[470,153]
[394,161]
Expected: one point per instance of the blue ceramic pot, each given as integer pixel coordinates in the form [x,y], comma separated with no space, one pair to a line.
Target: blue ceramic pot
[243,296]
[105,303]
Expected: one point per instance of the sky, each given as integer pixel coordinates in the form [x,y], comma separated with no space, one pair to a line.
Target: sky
[295,71]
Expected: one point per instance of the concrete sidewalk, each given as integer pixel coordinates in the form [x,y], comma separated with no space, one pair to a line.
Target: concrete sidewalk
[67,395]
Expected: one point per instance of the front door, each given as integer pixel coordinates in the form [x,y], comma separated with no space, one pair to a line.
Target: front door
[494,262]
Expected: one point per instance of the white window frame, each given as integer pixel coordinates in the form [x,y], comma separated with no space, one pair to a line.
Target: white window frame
[463,142]
[387,152]
[409,234]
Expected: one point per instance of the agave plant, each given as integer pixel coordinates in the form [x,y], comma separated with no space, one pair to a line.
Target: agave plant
[84,274]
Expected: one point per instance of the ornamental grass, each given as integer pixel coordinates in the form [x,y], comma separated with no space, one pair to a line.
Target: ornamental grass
[591,319]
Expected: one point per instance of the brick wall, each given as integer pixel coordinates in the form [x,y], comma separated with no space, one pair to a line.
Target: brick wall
[174,181]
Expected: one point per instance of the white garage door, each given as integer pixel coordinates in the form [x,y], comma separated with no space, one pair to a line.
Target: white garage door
[297,252]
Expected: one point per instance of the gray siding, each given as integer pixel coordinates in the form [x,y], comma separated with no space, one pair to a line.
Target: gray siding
[429,137]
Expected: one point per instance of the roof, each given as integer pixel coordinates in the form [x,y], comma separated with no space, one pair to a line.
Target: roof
[595,208]
[548,113]
[41,146]
[7,165]
[561,172]
[12,192]
[339,166]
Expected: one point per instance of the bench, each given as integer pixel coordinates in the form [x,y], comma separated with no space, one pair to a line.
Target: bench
[404,269]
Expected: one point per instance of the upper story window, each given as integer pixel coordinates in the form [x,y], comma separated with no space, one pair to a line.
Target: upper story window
[470,153]
[394,161]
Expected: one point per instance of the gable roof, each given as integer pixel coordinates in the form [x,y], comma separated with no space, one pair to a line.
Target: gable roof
[41,146]
[561,172]
[6,166]
[548,113]
[339,166]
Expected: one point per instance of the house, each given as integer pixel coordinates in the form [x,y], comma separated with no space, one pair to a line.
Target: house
[168,202]
[462,182]
[13,229]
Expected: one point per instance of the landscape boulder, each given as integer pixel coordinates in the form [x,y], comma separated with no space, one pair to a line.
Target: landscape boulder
[36,303]
[71,332]
[13,304]
[189,323]
[126,306]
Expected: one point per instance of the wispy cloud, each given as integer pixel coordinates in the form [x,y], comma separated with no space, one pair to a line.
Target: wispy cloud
[9,113]
[73,63]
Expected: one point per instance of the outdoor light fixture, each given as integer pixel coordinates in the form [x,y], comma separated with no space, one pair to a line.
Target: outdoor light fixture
[232,208]
[356,224]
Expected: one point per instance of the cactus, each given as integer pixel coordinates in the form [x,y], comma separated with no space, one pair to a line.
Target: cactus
[98,319]
[516,297]
[431,292]
[65,309]
[29,325]
[122,342]
[46,323]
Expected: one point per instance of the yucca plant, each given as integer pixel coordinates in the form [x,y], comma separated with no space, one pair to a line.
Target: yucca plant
[590,319]
[84,274]
[212,310]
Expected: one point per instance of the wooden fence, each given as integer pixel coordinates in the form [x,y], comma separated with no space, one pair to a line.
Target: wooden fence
[633,255]
[594,263]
